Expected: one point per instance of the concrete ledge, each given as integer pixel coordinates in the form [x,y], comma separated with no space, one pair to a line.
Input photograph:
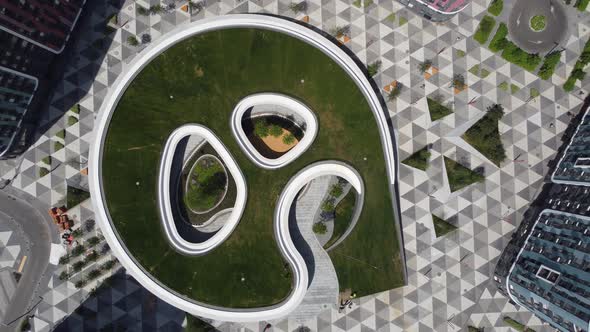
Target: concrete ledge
[289,103]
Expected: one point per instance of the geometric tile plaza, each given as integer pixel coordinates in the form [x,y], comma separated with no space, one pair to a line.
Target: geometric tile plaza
[449,285]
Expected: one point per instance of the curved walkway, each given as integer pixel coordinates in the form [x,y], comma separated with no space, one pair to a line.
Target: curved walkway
[524,36]
[286,199]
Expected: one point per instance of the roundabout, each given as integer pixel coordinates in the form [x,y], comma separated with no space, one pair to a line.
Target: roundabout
[538,26]
[250,269]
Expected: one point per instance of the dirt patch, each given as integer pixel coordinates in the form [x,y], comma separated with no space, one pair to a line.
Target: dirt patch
[276,143]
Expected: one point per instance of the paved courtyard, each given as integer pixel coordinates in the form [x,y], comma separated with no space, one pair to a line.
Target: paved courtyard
[449,277]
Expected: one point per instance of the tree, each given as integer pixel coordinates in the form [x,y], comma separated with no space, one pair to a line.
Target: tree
[142,11]
[146,38]
[156,9]
[336,190]
[373,68]
[275,130]
[132,41]
[328,206]
[195,7]
[261,129]
[289,139]
[424,66]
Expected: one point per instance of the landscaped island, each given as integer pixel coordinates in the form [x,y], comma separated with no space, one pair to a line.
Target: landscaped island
[207,75]
[206,184]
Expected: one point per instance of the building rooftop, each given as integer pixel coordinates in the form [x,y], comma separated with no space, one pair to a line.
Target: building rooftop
[552,274]
[574,166]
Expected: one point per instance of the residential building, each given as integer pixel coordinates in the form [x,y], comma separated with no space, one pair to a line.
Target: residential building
[436,10]
[16,92]
[32,33]
[546,265]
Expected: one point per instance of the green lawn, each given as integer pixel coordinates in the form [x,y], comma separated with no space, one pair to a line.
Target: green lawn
[538,23]
[485,137]
[518,326]
[442,227]
[206,185]
[75,196]
[418,159]
[484,29]
[342,216]
[208,75]
[460,176]
[437,110]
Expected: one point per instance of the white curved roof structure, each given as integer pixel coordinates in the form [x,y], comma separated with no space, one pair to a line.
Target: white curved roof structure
[300,273]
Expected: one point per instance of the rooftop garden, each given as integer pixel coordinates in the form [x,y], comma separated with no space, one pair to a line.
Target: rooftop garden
[208,75]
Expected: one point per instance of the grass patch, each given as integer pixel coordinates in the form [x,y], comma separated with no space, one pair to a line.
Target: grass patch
[419,159]
[342,216]
[496,7]
[391,17]
[72,120]
[43,171]
[480,72]
[485,137]
[75,196]
[518,326]
[233,60]
[460,53]
[538,23]
[357,3]
[402,20]
[581,5]
[206,185]
[61,134]
[441,226]
[57,146]
[460,176]
[484,29]
[534,93]
[514,88]
[436,109]
[75,109]
[503,86]
[46,160]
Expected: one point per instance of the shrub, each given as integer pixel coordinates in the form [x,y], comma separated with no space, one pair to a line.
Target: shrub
[94,273]
[80,283]
[47,160]
[132,41]
[57,146]
[395,92]
[548,67]
[298,7]
[64,275]
[424,66]
[328,206]
[261,128]
[78,266]
[91,257]
[275,130]
[288,139]
[538,22]
[43,171]
[156,9]
[496,7]
[108,265]
[570,84]
[78,250]
[336,190]
[458,81]
[93,240]
[78,232]
[499,41]
[484,29]
[72,120]
[320,228]
[142,11]
[64,259]
[373,68]
[61,134]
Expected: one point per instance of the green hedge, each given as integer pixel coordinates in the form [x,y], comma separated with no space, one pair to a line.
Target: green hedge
[578,71]
[499,41]
[496,7]
[516,55]
[484,29]
[582,4]
[548,67]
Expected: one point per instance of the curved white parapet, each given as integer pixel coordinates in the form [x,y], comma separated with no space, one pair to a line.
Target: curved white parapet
[280,223]
[283,101]
[164,199]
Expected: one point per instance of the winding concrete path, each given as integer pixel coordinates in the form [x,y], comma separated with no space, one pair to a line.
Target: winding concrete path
[322,292]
